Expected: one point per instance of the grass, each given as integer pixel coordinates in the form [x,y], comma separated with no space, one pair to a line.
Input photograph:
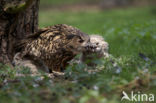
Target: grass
[56,3]
[127,31]
[131,34]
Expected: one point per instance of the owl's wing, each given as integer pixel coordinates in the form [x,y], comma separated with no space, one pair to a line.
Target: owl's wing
[47,45]
[21,44]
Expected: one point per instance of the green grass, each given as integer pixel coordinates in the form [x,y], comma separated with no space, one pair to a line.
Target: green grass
[129,32]
[56,3]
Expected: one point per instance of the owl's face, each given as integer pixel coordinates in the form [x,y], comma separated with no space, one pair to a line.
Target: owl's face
[78,43]
[98,46]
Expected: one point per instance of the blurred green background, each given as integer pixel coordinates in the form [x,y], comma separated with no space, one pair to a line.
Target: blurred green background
[116,20]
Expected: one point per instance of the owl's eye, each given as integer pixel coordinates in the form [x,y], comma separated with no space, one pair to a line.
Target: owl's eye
[81,41]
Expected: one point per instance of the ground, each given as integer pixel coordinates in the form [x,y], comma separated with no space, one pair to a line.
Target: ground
[131,34]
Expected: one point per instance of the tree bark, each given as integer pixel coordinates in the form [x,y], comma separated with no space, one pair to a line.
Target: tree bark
[17,19]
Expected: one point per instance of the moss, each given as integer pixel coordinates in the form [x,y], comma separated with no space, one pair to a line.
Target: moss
[17,7]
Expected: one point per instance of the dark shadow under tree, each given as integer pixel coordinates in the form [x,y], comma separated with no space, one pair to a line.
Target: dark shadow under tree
[18,18]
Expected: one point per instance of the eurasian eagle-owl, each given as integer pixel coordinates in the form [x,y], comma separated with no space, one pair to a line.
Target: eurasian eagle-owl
[54,45]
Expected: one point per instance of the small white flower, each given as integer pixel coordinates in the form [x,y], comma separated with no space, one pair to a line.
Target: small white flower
[95,87]
[35,85]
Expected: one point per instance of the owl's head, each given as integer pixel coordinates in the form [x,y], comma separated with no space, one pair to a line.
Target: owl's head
[77,43]
[75,40]
[100,46]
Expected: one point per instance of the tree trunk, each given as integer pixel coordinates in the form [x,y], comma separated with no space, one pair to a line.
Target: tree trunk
[17,19]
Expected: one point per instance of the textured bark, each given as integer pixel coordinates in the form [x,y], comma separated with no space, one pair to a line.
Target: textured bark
[14,26]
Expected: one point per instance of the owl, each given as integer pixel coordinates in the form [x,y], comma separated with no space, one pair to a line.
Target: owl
[54,45]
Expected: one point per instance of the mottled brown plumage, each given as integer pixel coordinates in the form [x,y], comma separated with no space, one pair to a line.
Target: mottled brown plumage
[55,45]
